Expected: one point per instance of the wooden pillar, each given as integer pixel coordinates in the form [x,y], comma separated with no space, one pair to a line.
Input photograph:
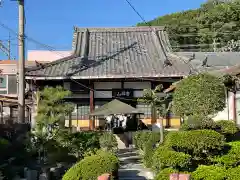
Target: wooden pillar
[92,121]
[77,118]
[234,106]
[11,114]
[2,112]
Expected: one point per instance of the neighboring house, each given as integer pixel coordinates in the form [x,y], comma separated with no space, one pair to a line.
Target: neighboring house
[8,81]
[48,56]
[9,89]
[109,63]
[8,76]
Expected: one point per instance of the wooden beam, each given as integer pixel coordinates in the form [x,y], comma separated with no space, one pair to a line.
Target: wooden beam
[92,121]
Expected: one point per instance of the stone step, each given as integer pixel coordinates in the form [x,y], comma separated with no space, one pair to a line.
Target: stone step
[135,173]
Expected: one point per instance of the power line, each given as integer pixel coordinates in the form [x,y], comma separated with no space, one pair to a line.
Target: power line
[67,77]
[149,25]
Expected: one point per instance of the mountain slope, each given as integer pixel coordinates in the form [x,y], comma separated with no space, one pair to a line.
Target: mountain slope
[198,29]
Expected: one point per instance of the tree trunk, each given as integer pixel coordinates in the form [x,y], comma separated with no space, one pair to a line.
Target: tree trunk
[161,131]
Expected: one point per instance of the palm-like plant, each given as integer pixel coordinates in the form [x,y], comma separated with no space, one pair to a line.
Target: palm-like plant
[160,102]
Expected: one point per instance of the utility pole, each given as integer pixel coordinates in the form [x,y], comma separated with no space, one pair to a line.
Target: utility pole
[21,64]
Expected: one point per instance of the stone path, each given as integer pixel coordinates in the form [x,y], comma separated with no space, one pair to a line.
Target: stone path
[131,167]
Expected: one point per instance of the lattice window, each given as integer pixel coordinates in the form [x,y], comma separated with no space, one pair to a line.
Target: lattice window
[146,109]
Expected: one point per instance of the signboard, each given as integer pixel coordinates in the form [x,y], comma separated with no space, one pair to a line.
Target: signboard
[3,81]
[122,93]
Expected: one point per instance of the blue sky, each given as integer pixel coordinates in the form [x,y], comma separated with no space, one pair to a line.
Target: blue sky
[51,21]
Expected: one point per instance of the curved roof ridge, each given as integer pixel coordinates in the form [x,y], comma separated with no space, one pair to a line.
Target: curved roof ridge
[119,29]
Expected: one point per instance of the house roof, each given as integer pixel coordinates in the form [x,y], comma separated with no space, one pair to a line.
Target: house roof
[214,59]
[8,62]
[15,62]
[116,53]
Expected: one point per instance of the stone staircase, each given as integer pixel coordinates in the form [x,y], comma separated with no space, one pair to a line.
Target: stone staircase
[131,167]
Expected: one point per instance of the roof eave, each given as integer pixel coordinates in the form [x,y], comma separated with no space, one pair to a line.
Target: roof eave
[102,77]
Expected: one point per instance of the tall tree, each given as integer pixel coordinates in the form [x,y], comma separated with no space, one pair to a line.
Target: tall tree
[52,109]
[159,103]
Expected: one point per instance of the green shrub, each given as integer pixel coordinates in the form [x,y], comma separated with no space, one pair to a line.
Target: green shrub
[201,94]
[93,166]
[165,158]
[149,149]
[198,143]
[140,138]
[78,143]
[196,123]
[232,158]
[233,173]
[108,142]
[165,173]
[209,173]
[227,127]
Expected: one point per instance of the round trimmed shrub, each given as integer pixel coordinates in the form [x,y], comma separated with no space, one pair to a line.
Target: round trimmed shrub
[227,127]
[197,123]
[165,174]
[197,143]
[233,173]
[201,94]
[232,158]
[93,166]
[165,158]
[210,173]
[108,142]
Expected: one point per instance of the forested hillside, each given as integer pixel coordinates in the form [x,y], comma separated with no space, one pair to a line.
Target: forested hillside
[213,26]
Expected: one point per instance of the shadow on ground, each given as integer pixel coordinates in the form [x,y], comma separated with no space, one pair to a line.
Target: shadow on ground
[131,174]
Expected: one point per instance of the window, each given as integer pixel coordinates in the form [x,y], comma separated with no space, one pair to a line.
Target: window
[83,111]
[146,109]
[3,92]
[3,81]
[12,84]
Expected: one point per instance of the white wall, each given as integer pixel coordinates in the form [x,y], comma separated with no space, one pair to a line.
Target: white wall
[108,86]
[38,55]
[228,112]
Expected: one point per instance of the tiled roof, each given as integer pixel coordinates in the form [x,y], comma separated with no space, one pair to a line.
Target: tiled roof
[8,62]
[214,59]
[116,53]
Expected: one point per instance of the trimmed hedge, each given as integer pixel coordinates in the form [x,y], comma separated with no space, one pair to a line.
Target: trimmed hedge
[93,166]
[232,158]
[233,173]
[165,158]
[196,123]
[227,127]
[216,173]
[197,143]
[210,173]
[108,142]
